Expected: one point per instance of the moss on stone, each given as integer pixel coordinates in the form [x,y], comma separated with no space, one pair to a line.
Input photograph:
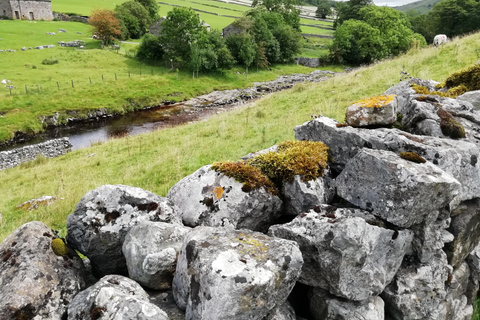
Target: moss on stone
[251,177]
[412,156]
[449,126]
[308,159]
[469,77]
[59,247]
[375,102]
[451,93]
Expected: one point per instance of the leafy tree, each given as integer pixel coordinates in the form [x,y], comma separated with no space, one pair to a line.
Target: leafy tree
[289,41]
[150,48]
[324,9]
[180,29]
[243,48]
[152,8]
[356,42]
[286,8]
[350,10]
[105,25]
[135,19]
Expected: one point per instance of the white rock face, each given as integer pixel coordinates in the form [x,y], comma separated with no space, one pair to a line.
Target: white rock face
[400,191]
[102,219]
[35,283]
[473,97]
[209,198]
[151,250]
[114,297]
[344,252]
[234,274]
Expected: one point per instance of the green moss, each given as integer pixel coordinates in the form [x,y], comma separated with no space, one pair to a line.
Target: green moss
[469,77]
[412,156]
[308,159]
[59,247]
[450,127]
[251,177]
[451,93]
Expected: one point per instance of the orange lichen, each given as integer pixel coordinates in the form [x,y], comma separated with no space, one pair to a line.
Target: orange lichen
[218,192]
[375,102]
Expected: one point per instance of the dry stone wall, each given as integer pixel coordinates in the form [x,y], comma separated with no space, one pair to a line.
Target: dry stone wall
[49,149]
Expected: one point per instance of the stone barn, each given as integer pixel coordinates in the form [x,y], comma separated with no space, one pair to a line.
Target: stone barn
[26,9]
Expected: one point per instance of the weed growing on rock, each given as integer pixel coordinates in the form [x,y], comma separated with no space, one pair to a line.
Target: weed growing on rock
[412,156]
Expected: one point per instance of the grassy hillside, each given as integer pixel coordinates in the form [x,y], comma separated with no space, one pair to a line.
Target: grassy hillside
[157,160]
[91,78]
[422,6]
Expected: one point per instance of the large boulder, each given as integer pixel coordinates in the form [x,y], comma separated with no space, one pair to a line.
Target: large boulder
[36,282]
[373,111]
[465,227]
[102,219]
[114,297]
[459,158]
[345,251]
[399,191]
[324,306]
[234,274]
[472,97]
[210,198]
[151,250]
[418,290]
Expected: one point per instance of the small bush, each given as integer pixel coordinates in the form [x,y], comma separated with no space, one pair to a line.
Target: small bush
[49,61]
[412,156]
[34,67]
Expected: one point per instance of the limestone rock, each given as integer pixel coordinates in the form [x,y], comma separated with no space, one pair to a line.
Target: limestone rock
[471,96]
[343,253]
[324,306]
[400,191]
[114,297]
[283,312]
[456,302]
[102,219]
[404,91]
[473,261]
[234,274]
[459,158]
[33,204]
[301,196]
[418,290]
[210,198]
[35,283]
[374,111]
[165,301]
[465,227]
[151,249]
[429,238]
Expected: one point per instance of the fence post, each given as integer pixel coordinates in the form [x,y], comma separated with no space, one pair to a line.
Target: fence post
[115,76]
[26,89]
[102,77]
[129,74]
[58,86]
[90,80]
[10,90]
[72,84]
[39,88]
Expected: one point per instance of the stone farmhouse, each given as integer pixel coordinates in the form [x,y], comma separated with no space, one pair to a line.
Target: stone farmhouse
[26,9]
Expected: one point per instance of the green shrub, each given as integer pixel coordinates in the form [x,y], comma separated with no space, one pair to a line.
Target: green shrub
[49,61]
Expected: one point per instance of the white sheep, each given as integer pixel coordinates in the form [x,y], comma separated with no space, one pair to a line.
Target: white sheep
[439,39]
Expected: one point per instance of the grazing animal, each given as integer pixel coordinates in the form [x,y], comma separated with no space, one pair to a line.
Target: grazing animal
[439,39]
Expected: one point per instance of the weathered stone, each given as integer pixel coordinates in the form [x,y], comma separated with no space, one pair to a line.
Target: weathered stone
[103,217]
[151,249]
[374,111]
[33,204]
[283,312]
[400,191]
[456,302]
[301,196]
[473,261]
[209,198]
[459,158]
[465,227]
[344,252]
[429,238]
[114,297]
[471,96]
[418,290]
[324,306]
[35,283]
[234,274]
[165,301]
[404,91]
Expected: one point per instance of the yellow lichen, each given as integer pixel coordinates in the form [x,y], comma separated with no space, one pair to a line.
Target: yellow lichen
[375,102]
[451,93]
[251,246]
[59,247]
[218,192]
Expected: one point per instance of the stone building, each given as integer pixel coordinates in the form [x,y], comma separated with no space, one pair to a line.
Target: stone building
[26,9]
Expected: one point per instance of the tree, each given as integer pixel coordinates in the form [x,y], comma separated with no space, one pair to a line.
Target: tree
[150,48]
[324,9]
[349,10]
[286,8]
[135,19]
[243,47]
[180,30]
[152,8]
[105,25]
[289,41]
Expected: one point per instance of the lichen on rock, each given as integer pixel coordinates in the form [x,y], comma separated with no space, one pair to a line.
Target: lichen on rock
[59,247]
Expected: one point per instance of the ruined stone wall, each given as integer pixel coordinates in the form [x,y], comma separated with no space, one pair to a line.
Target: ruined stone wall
[5,8]
[29,10]
[308,62]
[49,149]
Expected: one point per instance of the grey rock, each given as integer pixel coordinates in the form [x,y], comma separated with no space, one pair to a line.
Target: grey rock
[418,290]
[283,312]
[361,115]
[344,252]
[404,91]
[465,227]
[429,238]
[400,191]
[301,196]
[165,301]
[150,250]
[35,283]
[251,155]
[102,218]
[324,306]
[234,274]
[114,297]
[459,158]
[473,261]
[471,96]
[210,198]
[456,302]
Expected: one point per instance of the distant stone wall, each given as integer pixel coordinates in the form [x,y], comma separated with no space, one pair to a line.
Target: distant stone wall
[49,149]
[66,17]
[31,10]
[308,62]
